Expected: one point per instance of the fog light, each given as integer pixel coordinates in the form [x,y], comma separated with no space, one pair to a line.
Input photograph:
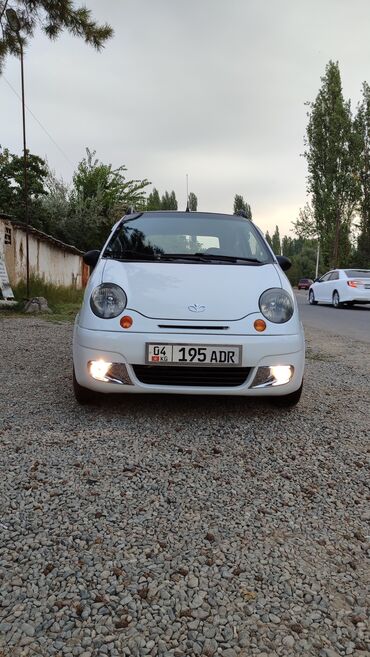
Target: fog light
[276,375]
[282,374]
[126,321]
[99,369]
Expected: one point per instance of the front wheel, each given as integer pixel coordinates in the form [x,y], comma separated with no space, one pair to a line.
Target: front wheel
[82,395]
[287,401]
[336,300]
[311,298]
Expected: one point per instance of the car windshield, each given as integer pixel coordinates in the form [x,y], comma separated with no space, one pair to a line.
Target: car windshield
[357,273]
[190,237]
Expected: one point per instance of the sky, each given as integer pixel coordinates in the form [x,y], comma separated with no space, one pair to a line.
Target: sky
[215,89]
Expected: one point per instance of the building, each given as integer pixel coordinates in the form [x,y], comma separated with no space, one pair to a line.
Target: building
[49,259]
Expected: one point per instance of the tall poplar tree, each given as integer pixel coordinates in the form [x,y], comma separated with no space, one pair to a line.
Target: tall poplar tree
[153,200]
[331,156]
[242,206]
[275,241]
[193,202]
[362,130]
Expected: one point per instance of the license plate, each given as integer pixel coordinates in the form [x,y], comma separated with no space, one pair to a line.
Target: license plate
[193,354]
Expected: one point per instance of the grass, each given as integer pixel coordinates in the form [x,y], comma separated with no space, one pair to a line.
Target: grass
[65,302]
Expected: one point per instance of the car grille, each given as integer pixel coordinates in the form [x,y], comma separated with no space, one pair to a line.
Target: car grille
[173,375]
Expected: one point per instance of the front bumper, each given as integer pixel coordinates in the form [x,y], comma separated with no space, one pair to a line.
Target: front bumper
[128,348]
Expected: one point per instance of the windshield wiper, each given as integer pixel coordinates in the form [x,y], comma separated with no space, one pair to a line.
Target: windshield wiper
[168,257]
[154,257]
[226,258]
[133,255]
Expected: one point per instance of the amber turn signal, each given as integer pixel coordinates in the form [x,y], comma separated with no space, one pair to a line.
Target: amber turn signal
[259,325]
[126,321]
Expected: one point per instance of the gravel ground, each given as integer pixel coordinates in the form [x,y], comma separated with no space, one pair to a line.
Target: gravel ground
[180,526]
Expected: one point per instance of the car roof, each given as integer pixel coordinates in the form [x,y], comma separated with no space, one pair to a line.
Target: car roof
[183,214]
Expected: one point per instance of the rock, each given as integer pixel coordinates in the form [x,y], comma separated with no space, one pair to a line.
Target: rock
[37,305]
[289,641]
[28,629]
[193,582]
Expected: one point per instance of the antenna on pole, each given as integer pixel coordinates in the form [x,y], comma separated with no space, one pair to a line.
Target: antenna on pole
[187,193]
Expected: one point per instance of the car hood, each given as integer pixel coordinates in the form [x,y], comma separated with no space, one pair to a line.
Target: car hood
[192,292]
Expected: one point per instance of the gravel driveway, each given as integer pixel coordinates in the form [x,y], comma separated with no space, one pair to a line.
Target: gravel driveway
[180,526]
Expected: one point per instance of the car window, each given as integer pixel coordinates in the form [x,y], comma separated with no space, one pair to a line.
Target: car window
[161,234]
[334,276]
[357,273]
[326,277]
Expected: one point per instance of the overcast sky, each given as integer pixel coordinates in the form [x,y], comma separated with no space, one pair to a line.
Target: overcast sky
[210,88]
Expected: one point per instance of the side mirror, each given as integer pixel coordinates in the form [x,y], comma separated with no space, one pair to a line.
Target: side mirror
[284,262]
[91,257]
[317,280]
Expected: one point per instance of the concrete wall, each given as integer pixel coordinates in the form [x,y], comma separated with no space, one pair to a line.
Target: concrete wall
[47,260]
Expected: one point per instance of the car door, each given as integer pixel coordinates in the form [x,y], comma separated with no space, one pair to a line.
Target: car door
[332,285]
[320,288]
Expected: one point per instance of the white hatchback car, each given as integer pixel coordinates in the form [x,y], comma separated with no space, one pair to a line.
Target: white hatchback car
[341,286]
[190,303]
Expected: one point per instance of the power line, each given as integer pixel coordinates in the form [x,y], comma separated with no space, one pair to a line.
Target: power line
[39,122]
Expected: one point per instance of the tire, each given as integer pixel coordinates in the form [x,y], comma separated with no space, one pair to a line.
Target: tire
[311,298]
[287,401]
[336,300]
[82,395]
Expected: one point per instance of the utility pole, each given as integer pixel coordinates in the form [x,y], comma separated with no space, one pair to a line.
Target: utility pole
[317,259]
[15,26]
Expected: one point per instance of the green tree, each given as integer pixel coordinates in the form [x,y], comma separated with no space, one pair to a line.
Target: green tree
[268,238]
[241,206]
[168,201]
[12,186]
[193,202]
[275,242]
[153,201]
[173,201]
[305,225]
[52,17]
[332,160]
[56,207]
[362,132]
[100,195]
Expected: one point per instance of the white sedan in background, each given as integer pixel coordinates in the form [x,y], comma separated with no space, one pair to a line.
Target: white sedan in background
[191,303]
[341,286]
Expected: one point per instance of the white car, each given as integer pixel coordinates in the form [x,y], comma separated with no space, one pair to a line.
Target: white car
[190,303]
[341,286]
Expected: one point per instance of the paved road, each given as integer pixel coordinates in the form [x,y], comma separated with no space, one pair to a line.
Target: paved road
[351,322]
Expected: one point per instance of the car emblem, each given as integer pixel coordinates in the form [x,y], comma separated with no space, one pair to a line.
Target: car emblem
[195,308]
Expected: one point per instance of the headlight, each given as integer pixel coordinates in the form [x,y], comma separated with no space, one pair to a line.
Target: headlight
[108,300]
[276,305]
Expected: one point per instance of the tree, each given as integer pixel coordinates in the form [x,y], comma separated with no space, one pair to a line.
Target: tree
[168,201]
[362,132]
[241,206]
[100,195]
[268,238]
[305,225]
[52,17]
[12,186]
[173,201]
[193,202]
[56,207]
[153,201]
[275,242]
[331,157]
